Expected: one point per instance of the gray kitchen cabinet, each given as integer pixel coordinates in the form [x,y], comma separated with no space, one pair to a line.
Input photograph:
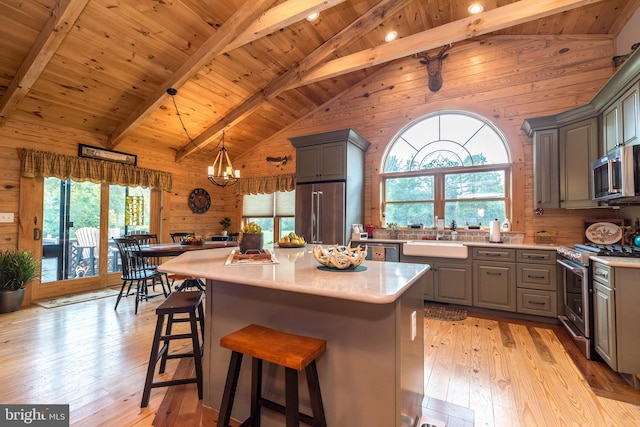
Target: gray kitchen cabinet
[616,299]
[494,285]
[448,280]
[495,253]
[324,162]
[546,189]
[537,283]
[605,323]
[621,121]
[330,156]
[578,148]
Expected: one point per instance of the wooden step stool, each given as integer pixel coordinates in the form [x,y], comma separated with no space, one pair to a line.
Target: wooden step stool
[177,303]
[294,353]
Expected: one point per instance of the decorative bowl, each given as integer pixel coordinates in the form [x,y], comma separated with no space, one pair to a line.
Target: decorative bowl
[340,257]
[291,245]
[192,243]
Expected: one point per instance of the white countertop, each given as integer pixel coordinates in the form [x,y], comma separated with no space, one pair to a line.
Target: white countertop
[614,261]
[381,283]
[546,247]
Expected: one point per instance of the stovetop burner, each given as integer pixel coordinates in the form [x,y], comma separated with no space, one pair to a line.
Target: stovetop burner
[582,251]
[611,250]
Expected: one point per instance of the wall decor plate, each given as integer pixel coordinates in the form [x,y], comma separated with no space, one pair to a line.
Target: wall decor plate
[604,233]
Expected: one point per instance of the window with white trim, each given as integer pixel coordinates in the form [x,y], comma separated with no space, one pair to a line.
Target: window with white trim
[274,212]
[451,164]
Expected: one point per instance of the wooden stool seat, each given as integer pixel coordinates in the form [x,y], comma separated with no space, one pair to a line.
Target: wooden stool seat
[189,303]
[281,348]
[294,353]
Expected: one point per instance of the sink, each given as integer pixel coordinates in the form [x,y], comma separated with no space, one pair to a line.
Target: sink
[436,249]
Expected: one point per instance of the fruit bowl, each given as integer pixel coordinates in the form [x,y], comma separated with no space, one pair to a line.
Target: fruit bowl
[339,257]
[192,240]
[291,245]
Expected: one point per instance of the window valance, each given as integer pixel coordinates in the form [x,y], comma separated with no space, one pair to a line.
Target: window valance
[266,184]
[45,164]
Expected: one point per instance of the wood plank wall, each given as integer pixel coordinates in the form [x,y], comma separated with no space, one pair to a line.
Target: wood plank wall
[505,78]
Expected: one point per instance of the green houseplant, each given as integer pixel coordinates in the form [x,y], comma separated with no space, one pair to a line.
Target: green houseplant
[17,268]
[252,238]
[225,223]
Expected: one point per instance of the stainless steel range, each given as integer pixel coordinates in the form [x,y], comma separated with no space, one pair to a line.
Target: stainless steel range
[575,276]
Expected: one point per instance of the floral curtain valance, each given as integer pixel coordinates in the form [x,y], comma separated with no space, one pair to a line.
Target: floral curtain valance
[45,164]
[266,184]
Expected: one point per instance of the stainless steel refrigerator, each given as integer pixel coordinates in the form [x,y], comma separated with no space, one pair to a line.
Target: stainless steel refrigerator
[322,213]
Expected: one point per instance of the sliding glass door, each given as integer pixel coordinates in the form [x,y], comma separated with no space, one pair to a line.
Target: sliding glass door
[71,229]
[72,215]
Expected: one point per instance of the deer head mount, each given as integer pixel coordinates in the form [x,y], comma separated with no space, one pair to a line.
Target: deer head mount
[434,67]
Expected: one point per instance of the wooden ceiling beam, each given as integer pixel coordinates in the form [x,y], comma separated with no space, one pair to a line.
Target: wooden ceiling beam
[278,17]
[63,16]
[310,70]
[463,29]
[213,46]
[292,77]
[252,21]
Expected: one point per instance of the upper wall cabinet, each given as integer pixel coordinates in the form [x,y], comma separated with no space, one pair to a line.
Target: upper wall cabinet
[565,144]
[546,189]
[330,156]
[621,121]
[578,149]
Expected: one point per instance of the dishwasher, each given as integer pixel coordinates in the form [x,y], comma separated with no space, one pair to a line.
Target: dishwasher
[380,251]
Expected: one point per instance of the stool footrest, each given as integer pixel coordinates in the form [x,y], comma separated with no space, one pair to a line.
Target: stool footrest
[270,404]
[174,382]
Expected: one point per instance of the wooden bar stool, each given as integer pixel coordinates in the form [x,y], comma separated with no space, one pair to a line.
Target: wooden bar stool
[189,303]
[294,353]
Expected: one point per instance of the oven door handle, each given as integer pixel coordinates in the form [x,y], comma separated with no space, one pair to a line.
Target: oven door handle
[572,268]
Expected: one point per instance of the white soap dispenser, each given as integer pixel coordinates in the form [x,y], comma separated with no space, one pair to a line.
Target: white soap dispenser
[506,225]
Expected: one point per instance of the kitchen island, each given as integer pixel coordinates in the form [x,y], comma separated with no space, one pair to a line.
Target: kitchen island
[372,373]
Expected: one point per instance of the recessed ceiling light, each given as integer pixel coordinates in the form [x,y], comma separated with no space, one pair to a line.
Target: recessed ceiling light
[391,36]
[475,8]
[313,16]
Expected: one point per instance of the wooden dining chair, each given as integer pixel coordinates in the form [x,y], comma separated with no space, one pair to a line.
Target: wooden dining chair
[152,262]
[135,270]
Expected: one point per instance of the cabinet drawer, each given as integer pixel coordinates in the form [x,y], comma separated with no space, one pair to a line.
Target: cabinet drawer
[539,303]
[494,254]
[534,276]
[533,256]
[603,274]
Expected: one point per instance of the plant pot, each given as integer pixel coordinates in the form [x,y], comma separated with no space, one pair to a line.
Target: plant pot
[224,232]
[251,242]
[11,300]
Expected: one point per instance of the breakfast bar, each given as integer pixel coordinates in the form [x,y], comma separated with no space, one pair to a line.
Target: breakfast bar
[372,372]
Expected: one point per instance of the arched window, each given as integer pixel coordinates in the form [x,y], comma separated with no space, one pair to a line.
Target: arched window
[451,164]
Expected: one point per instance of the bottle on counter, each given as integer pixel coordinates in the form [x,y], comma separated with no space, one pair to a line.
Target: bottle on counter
[506,225]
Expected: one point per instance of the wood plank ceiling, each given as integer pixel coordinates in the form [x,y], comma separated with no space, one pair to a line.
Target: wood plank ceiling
[248,67]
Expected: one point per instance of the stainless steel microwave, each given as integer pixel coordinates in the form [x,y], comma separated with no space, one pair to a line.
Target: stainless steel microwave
[617,175]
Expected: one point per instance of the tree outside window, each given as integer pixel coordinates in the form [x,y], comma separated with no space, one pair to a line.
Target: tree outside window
[453,165]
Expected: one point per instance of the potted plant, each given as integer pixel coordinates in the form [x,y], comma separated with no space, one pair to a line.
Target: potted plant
[17,268]
[225,223]
[252,238]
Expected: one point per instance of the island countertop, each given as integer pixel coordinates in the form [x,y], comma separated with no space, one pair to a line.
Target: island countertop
[296,271]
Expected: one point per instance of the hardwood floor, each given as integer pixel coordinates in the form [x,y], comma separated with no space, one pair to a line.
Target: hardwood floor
[517,373]
[502,373]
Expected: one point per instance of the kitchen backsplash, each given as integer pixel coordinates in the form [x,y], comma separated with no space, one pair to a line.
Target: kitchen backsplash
[511,237]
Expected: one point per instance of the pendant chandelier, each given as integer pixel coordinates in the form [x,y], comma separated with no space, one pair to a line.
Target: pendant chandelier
[221,172]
